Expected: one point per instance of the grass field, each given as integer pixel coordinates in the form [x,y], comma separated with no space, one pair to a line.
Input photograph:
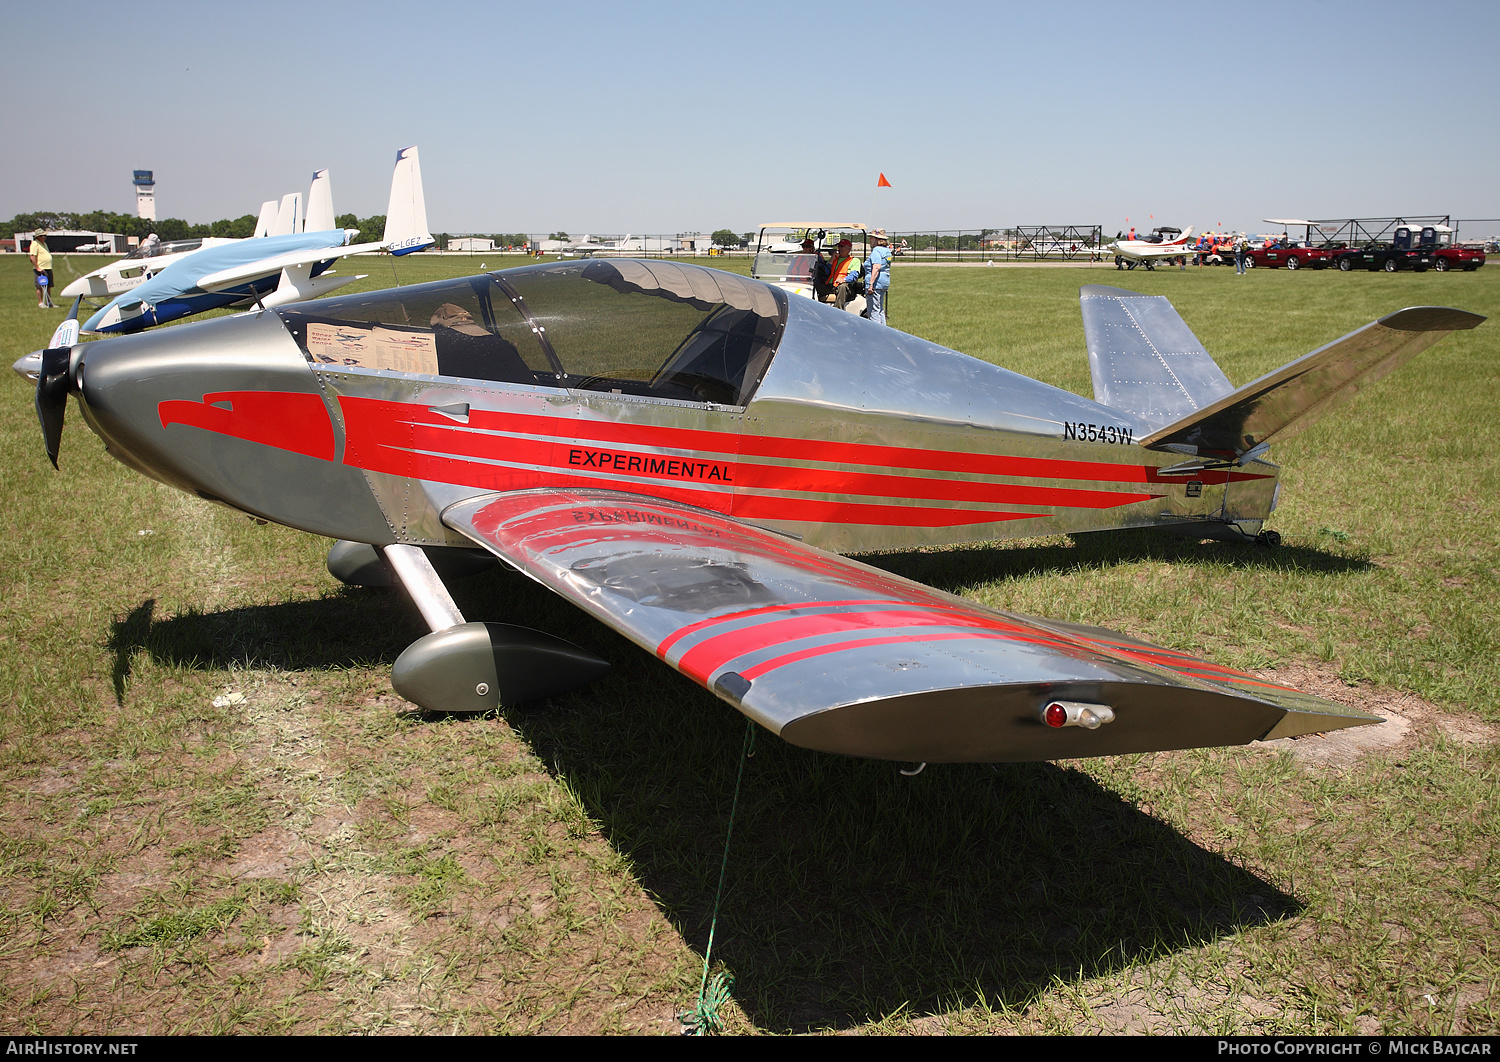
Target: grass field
[218,818]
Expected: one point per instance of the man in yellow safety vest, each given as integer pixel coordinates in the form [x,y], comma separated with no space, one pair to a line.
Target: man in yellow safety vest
[843,277]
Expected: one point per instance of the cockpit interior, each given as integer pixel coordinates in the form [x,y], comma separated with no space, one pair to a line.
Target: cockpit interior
[643,327]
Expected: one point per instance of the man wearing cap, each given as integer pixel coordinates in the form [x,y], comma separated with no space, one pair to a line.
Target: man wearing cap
[465,348]
[819,271]
[878,277]
[41,265]
[842,281]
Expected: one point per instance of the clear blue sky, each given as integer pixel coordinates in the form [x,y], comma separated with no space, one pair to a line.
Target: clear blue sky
[666,117]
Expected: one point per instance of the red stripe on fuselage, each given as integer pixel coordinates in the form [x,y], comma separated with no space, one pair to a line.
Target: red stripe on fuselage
[410,440]
[287,420]
[836,481]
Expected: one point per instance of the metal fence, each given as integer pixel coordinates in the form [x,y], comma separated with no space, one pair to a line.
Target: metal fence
[1031,243]
[621,245]
[1016,243]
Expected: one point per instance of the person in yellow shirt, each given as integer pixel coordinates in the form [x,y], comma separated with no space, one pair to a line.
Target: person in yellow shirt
[41,265]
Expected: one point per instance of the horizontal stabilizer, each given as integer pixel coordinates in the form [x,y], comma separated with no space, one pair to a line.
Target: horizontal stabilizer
[1296,396]
[834,655]
[1143,357]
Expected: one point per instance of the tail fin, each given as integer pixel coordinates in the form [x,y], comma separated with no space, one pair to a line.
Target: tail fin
[406,217]
[267,223]
[319,204]
[1297,395]
[289,217]
[66,333]
[1143,357]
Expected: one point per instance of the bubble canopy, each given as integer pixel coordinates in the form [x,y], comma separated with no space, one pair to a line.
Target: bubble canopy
[648,328]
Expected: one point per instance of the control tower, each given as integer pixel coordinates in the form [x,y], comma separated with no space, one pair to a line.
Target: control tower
[145,195]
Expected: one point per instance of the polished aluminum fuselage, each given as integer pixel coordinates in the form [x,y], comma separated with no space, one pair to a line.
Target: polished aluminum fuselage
[859,438]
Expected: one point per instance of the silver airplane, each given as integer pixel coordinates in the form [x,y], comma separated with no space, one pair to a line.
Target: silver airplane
[687,455]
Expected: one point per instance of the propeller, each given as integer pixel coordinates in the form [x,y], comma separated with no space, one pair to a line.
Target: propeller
[53,381]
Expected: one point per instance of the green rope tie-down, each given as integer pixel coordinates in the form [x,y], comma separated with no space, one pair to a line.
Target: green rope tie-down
[704,1019]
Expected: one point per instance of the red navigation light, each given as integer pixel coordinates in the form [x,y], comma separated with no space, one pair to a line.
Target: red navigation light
[1077,713]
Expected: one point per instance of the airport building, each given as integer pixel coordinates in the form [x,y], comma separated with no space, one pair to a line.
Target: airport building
[145,194]
[74,241]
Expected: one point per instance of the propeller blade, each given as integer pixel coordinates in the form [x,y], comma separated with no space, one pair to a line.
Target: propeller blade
[52,396]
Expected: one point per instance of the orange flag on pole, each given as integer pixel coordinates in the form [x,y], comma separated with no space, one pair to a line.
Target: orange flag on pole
[882,183]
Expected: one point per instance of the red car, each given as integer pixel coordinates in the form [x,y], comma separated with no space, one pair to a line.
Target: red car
[1292,255]
[1466,258]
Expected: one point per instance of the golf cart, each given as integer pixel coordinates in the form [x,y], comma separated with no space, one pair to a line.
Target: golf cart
[779,258]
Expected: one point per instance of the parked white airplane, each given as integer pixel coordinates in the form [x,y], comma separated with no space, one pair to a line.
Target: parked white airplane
[1148,252]
[588,247]
[272,270]
[152,256]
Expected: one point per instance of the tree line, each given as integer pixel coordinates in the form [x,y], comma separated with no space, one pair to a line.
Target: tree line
[371,229]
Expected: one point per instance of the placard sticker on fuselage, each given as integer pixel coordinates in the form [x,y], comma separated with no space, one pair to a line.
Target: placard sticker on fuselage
[373,348]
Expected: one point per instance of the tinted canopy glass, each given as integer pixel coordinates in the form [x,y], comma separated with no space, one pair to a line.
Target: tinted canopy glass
[628,326]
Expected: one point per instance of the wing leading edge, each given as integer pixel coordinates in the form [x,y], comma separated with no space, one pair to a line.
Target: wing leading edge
[834,655]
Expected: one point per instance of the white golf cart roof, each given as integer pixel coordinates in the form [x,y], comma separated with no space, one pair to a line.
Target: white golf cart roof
[801,225]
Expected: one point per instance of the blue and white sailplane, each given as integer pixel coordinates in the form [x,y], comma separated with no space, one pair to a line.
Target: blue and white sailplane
[271,270]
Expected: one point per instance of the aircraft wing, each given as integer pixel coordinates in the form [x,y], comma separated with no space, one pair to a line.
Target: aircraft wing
[835,655]
[241,274]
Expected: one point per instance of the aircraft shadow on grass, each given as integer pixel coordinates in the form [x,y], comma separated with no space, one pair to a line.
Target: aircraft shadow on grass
[954,570]
[851,892]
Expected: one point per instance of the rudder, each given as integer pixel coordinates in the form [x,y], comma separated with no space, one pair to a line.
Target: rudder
[1143,357]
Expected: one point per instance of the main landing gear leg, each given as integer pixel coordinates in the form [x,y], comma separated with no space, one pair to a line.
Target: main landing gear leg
[476,667]
[1227,531]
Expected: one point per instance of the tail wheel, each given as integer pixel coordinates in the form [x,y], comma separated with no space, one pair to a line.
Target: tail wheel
[1269,539]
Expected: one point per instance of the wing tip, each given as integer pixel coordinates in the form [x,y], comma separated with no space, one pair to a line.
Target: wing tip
[1431,319]
[1300,721]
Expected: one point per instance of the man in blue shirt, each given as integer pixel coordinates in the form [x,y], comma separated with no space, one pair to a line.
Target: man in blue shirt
[877,270]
